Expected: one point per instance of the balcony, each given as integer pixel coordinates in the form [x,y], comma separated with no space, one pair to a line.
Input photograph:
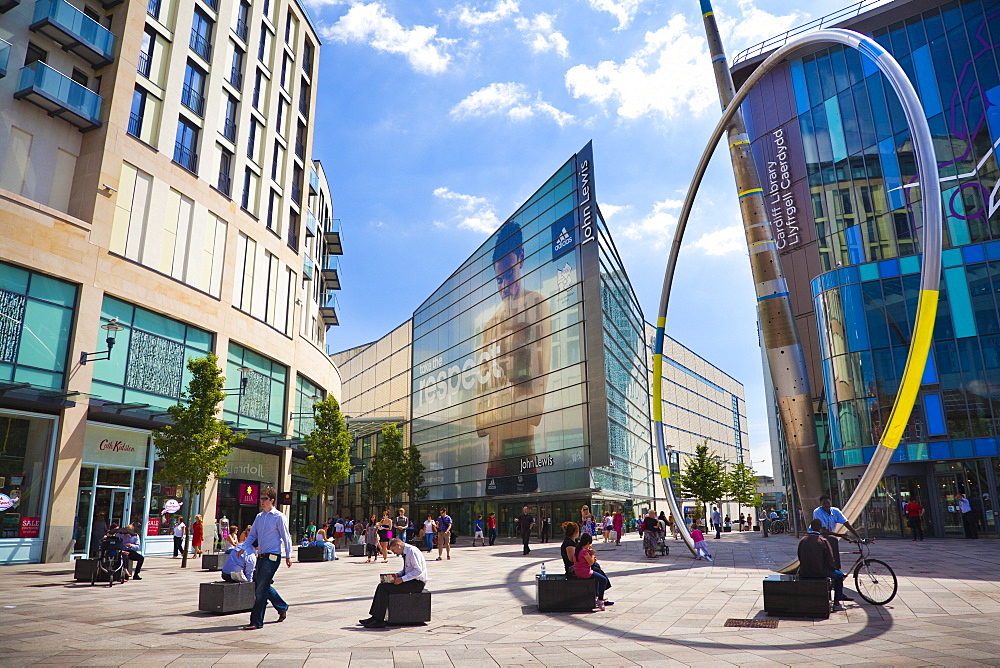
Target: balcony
[108,4]
[186,157]
[328,309]
[145,64]
[242,30]
[74,31]
[296,192]
[60,96]
[229,130]
[310,224]
[313,182]
[153,9]
[135,125]
[331,271]
[236,78]
[331,232]
[4,57]
[193,100]
[308,268]
[200,45]
[7,5]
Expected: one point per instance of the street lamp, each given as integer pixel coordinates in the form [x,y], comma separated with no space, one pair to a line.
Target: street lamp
[241,390]
[112,328]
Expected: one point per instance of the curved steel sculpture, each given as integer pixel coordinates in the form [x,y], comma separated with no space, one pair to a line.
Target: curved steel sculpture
[759,234]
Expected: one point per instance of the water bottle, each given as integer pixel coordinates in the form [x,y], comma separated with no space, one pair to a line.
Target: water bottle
[543,571]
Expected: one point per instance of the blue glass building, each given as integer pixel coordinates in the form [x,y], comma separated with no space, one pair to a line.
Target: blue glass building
[836,162]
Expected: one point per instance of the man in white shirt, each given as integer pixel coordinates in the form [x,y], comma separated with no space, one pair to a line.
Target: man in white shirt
[831,516]
[410,580]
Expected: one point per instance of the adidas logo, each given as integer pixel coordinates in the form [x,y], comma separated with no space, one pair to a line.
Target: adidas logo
[492,484]
[564,240]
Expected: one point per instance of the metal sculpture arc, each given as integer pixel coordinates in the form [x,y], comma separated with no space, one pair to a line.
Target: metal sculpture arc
[930,271]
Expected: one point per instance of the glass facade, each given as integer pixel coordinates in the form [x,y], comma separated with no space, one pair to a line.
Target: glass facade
[307,394]
[835,156]
[261,404]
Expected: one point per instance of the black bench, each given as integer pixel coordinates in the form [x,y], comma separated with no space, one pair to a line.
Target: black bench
[83,571]
[312,553]
[355,550]
[213,562]
[223,598]
[409,608]
[790,596]
[557,593]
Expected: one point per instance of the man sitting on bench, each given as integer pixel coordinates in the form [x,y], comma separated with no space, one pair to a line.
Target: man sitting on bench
[410,580]
[816,561]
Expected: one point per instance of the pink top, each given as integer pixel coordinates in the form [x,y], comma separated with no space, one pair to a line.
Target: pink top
[697,535]
[580,565]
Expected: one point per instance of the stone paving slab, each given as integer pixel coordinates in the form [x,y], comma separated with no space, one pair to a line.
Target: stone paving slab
[670,611]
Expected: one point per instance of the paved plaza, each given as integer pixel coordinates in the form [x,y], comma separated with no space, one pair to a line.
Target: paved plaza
[669,611]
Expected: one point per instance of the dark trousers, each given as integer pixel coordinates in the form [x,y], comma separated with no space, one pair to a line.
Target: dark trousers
[493,535]
[263,577]
[718,531]
[178,545]
[970,523]
[916,528]
[380,602]
[545,534]
[524,540]
[137,557]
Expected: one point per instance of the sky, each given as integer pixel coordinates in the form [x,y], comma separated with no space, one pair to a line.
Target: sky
[436,120]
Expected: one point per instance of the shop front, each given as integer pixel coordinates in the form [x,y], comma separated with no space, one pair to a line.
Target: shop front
[26,447]
[247,473]
[114,484]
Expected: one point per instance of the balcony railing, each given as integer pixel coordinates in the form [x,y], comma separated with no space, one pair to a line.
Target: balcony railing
[74,31]
[236,78]
[59,95]
[296,192]
[242,30]
[229,129]
[308,268]
[135,125]
[313,181]
[186,157]
[145,64]
[153,9]
[4,57]
[310,224]
[201,45]
[225,184]
[193,100]
[331,232]
[331,271]
[329,309]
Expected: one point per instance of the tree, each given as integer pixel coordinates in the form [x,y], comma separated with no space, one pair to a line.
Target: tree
[413,474]
[743,485]
[384,480]
[329,448]
[197,445]
[703,478]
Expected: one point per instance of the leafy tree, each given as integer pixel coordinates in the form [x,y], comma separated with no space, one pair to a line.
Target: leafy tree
[197,445]
[743,485]
[329,448]
[703,478]
[413,474]
[384,480]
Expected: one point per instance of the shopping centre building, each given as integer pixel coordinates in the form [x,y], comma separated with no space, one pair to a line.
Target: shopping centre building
[836,159]
[158,202]
[524,378]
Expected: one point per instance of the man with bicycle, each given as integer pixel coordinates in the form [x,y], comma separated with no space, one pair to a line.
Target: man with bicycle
[816,560]
[830,517]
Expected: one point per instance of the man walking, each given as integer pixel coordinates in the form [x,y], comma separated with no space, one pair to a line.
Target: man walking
[270,530]
[914,512]
[410,580]
[816,561]
[969,519]
[491,528]
[400,526]
[717,522]
[525,523]
[444,533]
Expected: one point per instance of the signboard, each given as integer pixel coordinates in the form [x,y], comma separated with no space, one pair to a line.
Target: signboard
[118,447]
[30,527]
[6,503]
[284,498]
[249,494]
[171,506]
[153,526]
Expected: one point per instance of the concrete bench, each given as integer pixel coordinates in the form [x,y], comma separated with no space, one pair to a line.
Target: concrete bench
[355,550]
[311,553]
[213,562]
[557,593]
[790,596]
[409,608]
[223,598]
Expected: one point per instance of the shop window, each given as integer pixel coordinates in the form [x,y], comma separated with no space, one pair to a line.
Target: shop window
[25,442]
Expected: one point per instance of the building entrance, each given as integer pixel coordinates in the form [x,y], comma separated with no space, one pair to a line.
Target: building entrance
[948,486]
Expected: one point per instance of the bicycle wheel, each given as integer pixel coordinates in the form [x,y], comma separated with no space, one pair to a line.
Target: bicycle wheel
[777,527]
[875,581]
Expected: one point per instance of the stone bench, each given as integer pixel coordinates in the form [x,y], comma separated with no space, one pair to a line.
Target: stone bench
[409,608]
[311,553]
[213,562]
[790,596]
[355,550]
[223,598]
[557,593]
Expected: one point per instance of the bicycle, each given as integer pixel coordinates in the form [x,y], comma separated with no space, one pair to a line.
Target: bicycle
[874,579]
[778,526]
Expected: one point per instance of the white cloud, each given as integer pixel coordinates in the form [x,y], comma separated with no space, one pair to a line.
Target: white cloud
[610,210]
[722,242]
[623,10]
[474,213]
[474,18]
[541,36]
[753,25]
[656,227]
[670,75]
[510,99]
[370,23]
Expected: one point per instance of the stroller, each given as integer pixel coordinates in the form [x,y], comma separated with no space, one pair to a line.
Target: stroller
[110,561]
[661,545]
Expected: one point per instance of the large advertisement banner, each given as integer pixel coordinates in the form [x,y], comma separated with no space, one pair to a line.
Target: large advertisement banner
[498,386]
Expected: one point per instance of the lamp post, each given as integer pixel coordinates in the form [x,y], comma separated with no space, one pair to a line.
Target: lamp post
[112,328]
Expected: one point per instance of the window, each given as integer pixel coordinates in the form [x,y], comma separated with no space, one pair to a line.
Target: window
[307,58]
[137,113]
[300,142]
[273,202]
[267,8]
[242,21]
[293,230]
[252,140]
[80,77]
[192,94]
[262,43]
[153,9]
[276,160]
[297,184]
[225,172]
[186,146]
[35,54]
[281,117]
[146,52]
[257,84]
[291,26]
[229,123]
[236,72]
[284,71]
[304,94]
[201,34]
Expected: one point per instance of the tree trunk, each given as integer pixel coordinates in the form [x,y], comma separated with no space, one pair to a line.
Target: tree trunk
[188,501]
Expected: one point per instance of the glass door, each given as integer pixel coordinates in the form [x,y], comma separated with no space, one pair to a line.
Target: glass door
[947,488]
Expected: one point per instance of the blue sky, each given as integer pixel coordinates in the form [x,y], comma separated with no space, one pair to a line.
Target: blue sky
[437,119]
